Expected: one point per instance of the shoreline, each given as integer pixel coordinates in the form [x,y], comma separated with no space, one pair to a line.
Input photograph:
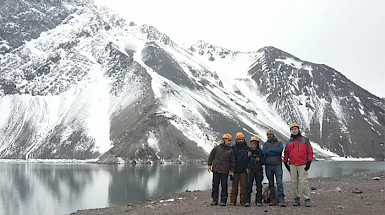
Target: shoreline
[332,195]
[161,162]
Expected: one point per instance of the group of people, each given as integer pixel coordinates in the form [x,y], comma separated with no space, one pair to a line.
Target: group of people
[244,165]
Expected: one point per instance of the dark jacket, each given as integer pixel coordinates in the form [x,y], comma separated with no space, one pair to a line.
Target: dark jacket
[272,149]
[241,158]
[298,151]
[256,165]
[222,159]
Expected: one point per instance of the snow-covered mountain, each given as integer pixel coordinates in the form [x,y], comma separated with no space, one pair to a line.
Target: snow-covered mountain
[77,81]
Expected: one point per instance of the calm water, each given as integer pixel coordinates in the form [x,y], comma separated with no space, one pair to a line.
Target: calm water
[40,188]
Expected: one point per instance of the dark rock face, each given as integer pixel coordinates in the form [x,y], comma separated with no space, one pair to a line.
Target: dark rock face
[26,20]
[161,62]
[334,112]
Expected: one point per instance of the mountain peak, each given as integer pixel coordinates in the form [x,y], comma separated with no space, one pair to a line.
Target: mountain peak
[154,34]
[211,51]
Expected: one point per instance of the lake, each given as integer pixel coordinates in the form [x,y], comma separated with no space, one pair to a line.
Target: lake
[52,188]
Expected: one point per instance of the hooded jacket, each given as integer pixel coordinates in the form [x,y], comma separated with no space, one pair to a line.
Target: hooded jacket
[298,151]
[272,149]
[222,159]
[241,158]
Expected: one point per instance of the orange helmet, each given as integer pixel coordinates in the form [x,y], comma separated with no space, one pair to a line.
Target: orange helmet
[239,135]
[294,125]
[254,139]
[227,136]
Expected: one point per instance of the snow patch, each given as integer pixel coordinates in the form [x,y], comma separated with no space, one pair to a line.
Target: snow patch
[153,142]
[98,121]
[291,62]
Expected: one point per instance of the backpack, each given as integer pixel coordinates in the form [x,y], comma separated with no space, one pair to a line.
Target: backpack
[266,195]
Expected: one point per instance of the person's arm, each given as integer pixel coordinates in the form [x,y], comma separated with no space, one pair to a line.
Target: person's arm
[261,158]
[232,165]
[278,150]
[286,157]
[249,155]
[309,152]
[266,151]
[286,154]
[211,159]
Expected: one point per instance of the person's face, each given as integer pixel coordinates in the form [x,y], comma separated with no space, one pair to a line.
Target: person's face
[294,130]
[270,136]
[227,142]
[254,144]
[239,140]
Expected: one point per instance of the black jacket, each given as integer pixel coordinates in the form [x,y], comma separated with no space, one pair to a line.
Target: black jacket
[256,165]
[241,158]
[222,159]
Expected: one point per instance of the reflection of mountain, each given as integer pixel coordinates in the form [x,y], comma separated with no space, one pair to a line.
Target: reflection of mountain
[136,183]
[40,188]
[13,185]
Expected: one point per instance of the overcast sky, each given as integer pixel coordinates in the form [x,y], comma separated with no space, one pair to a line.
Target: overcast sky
[347,35]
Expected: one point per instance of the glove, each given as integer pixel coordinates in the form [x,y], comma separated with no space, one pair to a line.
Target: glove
[287,166]
[307,165]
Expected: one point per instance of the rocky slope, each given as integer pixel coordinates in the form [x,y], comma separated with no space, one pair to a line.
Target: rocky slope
[79,82]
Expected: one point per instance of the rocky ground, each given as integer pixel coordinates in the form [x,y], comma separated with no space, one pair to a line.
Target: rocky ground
[347,194]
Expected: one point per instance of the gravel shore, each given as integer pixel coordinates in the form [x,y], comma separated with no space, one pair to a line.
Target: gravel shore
[347,194]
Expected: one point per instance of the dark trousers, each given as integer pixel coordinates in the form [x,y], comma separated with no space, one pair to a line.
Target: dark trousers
[256,176]
[219,178]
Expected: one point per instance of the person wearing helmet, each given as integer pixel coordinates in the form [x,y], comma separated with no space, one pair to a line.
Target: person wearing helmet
[221,163]
[254,172]
[272,149]
[297,159]
[240,172]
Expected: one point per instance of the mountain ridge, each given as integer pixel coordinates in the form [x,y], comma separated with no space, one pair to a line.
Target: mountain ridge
[98,86]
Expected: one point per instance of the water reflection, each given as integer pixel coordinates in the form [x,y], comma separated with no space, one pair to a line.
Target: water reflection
[35,188]
[136,183]
[26,188]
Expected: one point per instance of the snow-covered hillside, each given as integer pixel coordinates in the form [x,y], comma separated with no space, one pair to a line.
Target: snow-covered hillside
[96,86]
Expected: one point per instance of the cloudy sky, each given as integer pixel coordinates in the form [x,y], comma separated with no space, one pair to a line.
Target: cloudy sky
[347,35]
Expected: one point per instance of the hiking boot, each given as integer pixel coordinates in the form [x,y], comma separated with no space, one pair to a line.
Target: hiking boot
[282,204]
[259,204]
[213,203]
[232,203]
[246,204]
[223,203]
[273,203]
[296,202]
[307,203]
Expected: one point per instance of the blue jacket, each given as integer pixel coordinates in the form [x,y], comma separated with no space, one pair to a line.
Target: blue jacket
[272,149]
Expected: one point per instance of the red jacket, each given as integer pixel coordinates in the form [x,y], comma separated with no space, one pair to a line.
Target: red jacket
[298,151]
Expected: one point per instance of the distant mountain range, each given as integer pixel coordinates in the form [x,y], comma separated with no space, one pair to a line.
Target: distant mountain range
[79,82]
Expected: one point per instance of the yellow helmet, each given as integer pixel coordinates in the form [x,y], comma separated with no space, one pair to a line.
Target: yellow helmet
[254,139]
[239,135]
[227,136]
[294,125]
